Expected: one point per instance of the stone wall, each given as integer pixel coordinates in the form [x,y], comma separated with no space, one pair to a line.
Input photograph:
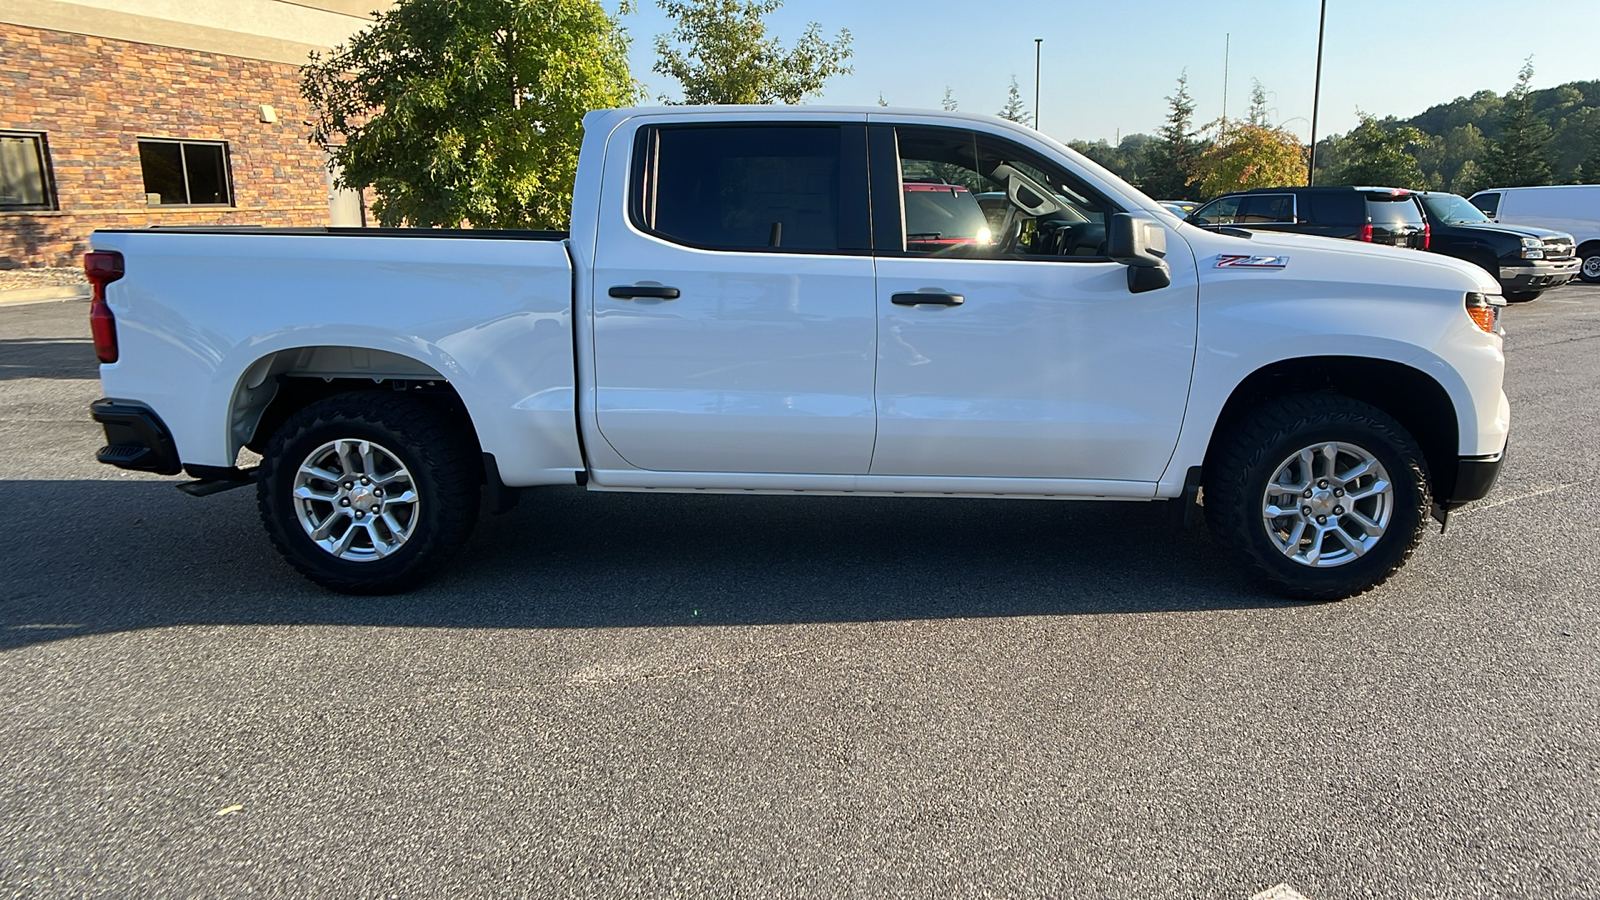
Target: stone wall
[95,97]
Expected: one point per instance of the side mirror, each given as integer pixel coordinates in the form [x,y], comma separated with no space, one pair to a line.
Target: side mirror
[1141,245]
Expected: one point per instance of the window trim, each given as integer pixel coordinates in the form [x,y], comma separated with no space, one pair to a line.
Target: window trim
[978,135]
[853,200]
[41,148]
[227,172]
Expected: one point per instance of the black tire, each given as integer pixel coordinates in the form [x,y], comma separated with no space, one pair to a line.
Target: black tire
[1522,296]
[439,464]
[1242,464]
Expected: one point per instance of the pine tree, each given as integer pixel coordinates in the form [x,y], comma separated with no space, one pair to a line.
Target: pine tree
[1014,111]
[1521,155]
[1174,152]
[948,104]
[1257,115]
[1589,170]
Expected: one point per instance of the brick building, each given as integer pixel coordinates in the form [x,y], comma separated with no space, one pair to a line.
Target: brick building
[128,113]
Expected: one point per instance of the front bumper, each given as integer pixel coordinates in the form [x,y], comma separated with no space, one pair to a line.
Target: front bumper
[1474,478]
[136,438]
[1553,273]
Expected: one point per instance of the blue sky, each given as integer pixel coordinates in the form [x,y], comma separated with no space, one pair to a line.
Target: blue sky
[1108,66]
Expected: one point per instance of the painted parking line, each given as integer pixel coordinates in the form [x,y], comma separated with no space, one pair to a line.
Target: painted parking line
[1280,892]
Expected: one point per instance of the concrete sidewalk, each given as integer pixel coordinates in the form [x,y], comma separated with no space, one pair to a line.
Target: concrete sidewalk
[42,285]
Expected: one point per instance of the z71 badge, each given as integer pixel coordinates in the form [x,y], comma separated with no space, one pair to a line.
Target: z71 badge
[1243,261]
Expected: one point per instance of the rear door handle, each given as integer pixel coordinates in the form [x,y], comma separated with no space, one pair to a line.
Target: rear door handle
[651,291]
[918,298]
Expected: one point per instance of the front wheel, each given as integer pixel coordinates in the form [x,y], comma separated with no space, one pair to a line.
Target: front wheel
[1590,269]
[367,493]
[1321,496]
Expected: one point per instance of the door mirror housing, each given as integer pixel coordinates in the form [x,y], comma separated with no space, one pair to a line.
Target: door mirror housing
[1140,243]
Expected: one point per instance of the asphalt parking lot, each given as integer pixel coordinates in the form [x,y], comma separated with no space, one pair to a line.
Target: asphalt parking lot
[641,695]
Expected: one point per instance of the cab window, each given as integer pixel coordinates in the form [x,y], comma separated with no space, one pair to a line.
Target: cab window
[1223,211]
[970,195]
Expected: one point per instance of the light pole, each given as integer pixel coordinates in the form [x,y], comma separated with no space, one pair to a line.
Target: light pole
[1038,44]
[1316,99]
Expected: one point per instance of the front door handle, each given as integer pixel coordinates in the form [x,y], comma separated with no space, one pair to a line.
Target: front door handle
[651,291]
[917,298]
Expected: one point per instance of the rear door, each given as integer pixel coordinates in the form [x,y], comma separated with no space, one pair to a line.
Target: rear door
[1019,351]
[734,328]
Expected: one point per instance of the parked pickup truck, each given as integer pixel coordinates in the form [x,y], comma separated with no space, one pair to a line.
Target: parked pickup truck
[737,309]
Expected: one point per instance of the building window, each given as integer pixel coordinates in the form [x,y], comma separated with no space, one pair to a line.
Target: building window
[185,173]
[25,172]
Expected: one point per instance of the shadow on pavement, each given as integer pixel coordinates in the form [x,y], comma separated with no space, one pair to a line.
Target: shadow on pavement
[88,557]
[42,357]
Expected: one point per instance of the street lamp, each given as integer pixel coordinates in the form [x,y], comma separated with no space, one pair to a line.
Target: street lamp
[1316,99]
[1037,44]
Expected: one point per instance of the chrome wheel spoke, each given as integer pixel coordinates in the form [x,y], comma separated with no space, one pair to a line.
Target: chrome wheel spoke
[1378,486]
[1355,546]
[1309,502]
[307,492]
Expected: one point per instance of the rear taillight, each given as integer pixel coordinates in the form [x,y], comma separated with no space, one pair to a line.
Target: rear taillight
[1427,235]
[103,267]
[1366,232]
[1485,310]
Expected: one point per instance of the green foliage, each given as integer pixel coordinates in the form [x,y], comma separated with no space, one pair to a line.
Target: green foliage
[1375,155]
[1170,164]
[468,110]
[1520,155]
[1014,111]
[948,104]
[1258,105]
[1128,158]
[1250,156]
[719,52]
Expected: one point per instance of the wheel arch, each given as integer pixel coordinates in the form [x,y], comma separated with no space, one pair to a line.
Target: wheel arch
[1411,396]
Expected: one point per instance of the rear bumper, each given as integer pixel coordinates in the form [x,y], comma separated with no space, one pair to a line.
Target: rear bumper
[1543,275]
[136,438]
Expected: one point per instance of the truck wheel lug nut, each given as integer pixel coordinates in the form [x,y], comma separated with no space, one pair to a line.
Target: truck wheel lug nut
[1338,510]
[1307,494]
[1322,520]
[1323,483]
[1306,510]
[1338,492]
[345,501]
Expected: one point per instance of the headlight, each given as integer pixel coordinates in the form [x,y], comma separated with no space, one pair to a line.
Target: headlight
[1532,248]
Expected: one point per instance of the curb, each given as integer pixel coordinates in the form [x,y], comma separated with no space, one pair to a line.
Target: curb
[45,295]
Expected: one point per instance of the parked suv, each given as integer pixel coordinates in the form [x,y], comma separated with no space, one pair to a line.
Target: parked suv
[1376,215]
[1573,208]
[1526,260]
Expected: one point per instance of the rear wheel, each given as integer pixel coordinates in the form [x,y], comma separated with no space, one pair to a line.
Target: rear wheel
[1321,496]
[1589,270]
[368,493]
[1522,296]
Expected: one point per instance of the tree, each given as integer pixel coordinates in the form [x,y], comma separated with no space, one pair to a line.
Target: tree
[468,110]
[1588,171]
[719,52]
[948,104]
[1258,105]
[1172,155]
[1250,156]
[1014,111]
[1376,155]
[1520,155]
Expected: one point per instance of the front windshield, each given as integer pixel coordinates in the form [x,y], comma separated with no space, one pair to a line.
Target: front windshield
[1452,209]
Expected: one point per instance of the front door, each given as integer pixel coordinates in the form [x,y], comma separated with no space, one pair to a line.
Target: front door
[734,328]
[1009,344]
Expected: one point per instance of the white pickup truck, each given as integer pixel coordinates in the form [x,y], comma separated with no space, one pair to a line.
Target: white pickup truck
[791,300]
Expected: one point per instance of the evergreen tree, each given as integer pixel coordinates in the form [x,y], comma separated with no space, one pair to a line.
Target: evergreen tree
[948,104]
[1172,155]
[1257,115]
[1589,170]
[1520,156]
[1014,111]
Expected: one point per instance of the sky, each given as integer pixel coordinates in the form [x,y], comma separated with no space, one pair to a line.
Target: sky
[1108,67]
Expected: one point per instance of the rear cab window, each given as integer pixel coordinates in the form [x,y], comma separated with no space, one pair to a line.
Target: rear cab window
[762,188]
[1489,203]
[1394,210]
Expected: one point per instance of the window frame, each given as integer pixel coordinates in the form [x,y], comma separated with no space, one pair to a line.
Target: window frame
[882,167]
[188,193]
[852,201]
[41,149]
[1294,208]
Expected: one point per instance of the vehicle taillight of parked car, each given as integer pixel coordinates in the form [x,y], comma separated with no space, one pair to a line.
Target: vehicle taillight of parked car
[103,267]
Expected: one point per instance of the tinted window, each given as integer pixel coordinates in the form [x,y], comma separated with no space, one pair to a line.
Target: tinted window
[1487,202]
[1222,211]
[1260,209]
[756,188]
[1452,209]
[1398,211]
[1333,208]
[24,178]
